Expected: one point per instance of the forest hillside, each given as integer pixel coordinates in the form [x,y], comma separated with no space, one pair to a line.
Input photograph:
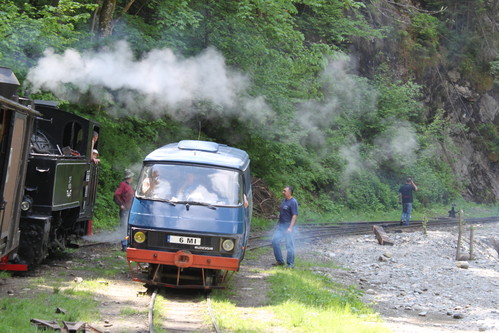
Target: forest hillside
[342,99]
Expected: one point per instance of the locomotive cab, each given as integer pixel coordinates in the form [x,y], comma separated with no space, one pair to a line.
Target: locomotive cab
[190,218]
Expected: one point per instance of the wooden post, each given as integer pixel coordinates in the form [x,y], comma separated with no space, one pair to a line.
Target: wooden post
[424,224]
[460,234]
[472,236]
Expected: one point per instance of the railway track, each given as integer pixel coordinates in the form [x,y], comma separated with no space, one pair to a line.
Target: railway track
[321,230]
[184,310]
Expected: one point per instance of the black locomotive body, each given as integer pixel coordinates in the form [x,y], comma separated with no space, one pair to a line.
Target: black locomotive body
[54,194]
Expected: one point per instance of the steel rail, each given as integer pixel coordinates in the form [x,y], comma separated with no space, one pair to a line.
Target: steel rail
[213,320]
[151,310]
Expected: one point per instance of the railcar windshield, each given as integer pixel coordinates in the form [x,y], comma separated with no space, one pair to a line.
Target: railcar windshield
[187,183]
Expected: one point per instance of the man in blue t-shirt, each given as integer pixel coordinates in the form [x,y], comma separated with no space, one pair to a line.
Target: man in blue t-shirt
[405,192]
[285,229]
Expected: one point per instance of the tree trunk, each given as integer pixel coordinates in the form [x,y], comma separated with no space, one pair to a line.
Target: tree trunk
[106,17]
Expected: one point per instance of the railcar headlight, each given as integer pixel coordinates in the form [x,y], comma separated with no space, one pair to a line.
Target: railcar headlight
[139,237]
[26,204]
[228,245]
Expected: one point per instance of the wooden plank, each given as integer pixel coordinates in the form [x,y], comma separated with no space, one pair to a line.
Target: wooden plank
[381,235]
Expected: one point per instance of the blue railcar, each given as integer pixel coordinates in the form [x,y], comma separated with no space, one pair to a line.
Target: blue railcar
[190,218]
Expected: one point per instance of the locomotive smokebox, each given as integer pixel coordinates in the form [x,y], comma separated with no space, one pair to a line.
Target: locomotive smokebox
[8,83]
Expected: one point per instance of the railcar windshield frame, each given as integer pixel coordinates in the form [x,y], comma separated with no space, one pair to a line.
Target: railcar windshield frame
[190,184]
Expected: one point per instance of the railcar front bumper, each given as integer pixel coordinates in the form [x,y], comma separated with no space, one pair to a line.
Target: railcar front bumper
[183,260]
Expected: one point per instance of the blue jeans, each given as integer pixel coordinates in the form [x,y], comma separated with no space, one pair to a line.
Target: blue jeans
[280,233]
[406,213]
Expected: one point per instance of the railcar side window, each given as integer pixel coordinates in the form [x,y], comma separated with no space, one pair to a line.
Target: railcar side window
[190,183]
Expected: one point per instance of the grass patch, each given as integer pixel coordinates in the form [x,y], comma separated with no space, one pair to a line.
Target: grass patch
[17,312]
[301,300]
[470,210]
[125,312]
[107,266]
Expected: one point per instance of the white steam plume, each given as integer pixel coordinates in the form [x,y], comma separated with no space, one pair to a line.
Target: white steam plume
[398,143]
[160,82]
[344,94]
[355,163]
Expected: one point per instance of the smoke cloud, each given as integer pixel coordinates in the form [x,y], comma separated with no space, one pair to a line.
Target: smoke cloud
[162,83]
[397,143]
[159,83]
[116,236]
[344,94]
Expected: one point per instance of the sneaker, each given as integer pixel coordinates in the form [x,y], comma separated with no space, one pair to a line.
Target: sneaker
[291,266]
[402,222]
[278,264]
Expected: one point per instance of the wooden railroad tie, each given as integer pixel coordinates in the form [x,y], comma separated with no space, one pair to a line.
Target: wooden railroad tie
[381,235]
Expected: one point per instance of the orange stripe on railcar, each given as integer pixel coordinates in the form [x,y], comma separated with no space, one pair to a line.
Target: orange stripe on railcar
[182,259]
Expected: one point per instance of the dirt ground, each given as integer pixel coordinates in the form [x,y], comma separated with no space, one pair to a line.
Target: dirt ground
[123,303]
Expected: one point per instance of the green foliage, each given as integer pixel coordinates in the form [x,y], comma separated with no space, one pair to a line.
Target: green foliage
[325,22]
[26,31]
[490,139]
[494,69]
[423,41]
[366,191]
[397,100]
[343,140]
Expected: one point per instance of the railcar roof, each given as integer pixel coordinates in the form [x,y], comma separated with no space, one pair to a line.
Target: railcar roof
[201,152]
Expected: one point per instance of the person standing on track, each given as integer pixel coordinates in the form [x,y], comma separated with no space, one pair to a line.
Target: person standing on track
[285,229]
[405,198]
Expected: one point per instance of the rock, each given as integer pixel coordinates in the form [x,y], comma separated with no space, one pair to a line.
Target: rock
[424,279]
[454,76]
[467,93]
[464,257]
[78,279]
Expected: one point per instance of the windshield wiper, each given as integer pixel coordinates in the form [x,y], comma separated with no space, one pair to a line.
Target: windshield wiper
[172,203]
[167,201]
[197,203]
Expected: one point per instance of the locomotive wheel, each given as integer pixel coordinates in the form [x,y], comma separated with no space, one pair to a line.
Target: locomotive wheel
[33,246]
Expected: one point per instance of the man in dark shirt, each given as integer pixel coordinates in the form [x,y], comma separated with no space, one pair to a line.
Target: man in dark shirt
[405,193]
[285,229]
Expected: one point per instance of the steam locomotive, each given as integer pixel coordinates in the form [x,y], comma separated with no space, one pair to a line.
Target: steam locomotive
[48,177]
[191,215]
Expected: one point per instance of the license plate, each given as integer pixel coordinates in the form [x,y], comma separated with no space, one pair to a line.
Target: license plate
[184,240]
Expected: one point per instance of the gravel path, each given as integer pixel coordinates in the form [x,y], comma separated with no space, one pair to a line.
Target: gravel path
[417,285]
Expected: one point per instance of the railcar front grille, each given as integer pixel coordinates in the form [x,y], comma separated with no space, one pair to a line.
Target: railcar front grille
[207,244]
